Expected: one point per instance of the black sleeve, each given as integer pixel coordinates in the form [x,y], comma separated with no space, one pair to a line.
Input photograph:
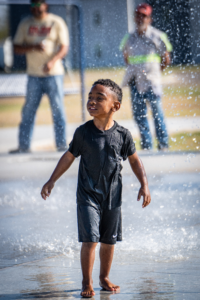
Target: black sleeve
[76,144]
[128,146]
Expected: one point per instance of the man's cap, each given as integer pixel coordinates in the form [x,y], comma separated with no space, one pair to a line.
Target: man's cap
[144,8]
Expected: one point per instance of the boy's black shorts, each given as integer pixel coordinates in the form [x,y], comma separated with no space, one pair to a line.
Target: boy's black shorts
[97,225]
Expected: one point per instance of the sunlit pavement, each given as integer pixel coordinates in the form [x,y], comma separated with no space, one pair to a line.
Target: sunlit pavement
[39,253]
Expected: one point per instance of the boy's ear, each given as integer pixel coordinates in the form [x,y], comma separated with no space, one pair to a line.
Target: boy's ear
[116,106]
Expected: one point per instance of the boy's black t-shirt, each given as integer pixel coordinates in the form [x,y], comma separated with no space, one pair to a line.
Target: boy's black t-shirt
[99,179]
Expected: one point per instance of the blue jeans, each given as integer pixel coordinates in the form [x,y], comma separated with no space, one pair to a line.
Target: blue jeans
[36,87]
[139,107]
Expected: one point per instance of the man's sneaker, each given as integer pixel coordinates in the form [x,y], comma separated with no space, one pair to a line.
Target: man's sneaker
[62,148]
[163,149]
[19,150]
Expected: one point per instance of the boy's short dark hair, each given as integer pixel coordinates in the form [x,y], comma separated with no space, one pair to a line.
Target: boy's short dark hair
[114,87]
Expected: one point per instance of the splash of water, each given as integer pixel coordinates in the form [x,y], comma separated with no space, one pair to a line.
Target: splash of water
[168,230]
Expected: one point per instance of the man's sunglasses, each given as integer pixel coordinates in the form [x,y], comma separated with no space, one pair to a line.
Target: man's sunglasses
[37,4]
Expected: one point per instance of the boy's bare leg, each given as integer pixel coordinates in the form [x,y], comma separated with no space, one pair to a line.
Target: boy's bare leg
[87,262]
[106,257]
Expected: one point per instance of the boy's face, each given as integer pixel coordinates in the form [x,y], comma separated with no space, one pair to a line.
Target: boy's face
[102,102]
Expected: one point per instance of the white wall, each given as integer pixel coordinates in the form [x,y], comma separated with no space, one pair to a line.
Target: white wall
[102,39]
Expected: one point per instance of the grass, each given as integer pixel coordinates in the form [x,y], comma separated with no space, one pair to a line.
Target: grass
[178,99]
[10,108]
[185,142]
[179,142]
[181,106]
[181,97]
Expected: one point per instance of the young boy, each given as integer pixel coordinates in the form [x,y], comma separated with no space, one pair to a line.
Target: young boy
[102,144]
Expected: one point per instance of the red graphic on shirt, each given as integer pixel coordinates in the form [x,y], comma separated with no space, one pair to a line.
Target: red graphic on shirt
[40,31]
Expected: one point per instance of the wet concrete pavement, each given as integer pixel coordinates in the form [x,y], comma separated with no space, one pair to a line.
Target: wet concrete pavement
[39,248]
[59,278]
[39,253]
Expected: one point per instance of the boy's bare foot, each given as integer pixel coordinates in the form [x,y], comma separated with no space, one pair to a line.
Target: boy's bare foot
[87,291]
[107,285]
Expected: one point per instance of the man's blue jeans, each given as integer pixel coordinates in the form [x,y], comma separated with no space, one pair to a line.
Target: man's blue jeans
[139,106]
[36,87]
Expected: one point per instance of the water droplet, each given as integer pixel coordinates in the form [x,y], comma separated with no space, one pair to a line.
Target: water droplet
[173,139]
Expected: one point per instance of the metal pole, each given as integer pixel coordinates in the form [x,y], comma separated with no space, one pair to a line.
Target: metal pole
[82,61]
[130,15]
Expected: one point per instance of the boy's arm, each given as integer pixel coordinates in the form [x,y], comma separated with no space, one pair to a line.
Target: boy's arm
[139,171]
[62,166]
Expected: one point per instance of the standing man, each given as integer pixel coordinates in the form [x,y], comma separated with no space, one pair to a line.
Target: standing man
[44,39]
[146,53]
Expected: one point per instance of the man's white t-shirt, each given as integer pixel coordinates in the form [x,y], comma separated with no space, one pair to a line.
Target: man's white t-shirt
[52,32]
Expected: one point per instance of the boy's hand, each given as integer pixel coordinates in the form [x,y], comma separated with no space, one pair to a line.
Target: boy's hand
[62,166]
[144,191]
[139,171]
[46,190]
